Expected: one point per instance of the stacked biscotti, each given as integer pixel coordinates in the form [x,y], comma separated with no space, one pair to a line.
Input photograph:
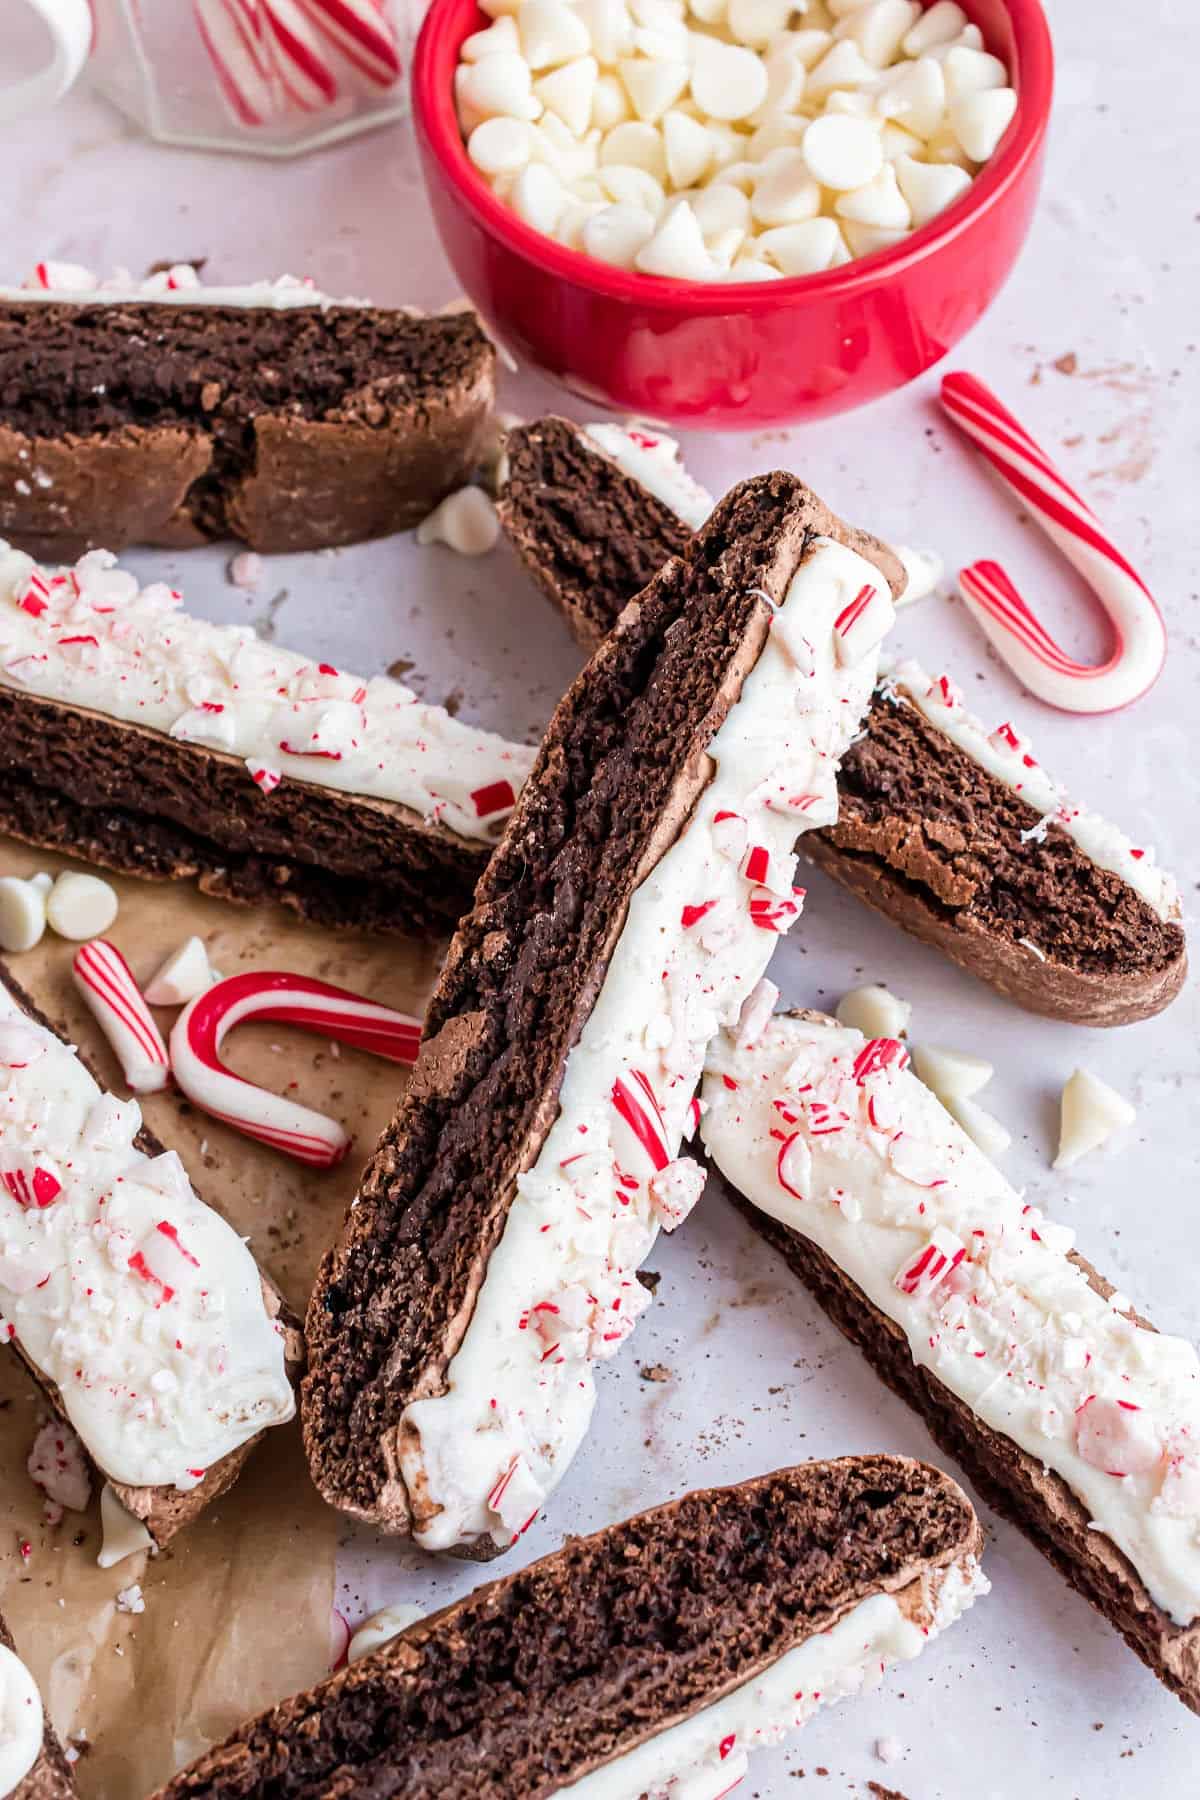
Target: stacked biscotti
[1070,1413]
[954,832]
[149,741]
[174,415]
[648,1658]
[166,1348]
[30,1753]
[631,905]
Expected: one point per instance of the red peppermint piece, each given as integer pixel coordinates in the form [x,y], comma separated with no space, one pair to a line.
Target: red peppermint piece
[496,797]
[941,1253]
[877,1054]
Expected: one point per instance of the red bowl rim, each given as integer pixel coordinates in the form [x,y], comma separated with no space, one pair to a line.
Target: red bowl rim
[448,22]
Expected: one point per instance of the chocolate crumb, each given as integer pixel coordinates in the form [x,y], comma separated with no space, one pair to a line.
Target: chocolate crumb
[654,1372]
[1068,364]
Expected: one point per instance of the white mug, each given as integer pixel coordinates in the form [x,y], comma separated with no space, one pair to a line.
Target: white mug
[69,23]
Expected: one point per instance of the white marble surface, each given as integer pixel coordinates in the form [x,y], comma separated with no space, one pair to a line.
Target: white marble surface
[1032,1693]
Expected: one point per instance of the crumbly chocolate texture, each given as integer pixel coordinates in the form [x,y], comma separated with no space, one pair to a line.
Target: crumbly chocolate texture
[573,1662]
[144,804]
[931,839]
[50,1777]
[165,1510]
[925,835]
[1032,1497]
[621,765]
[293,429]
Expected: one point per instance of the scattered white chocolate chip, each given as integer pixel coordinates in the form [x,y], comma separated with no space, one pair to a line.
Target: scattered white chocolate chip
[123,1535]
[985,1131]
[184,974]
[131,1599]
[80,906]
[1091,1112]
[952,1074]
[874,126]
[22,913]
[381,1627]
[875,1011]
[245,569]
[465,521]
[924,569]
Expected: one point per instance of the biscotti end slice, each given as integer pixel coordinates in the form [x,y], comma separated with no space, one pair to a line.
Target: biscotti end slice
[177,421]
[660,1649]
[962,837]
[1068,1411]
[645,876]
[33,1765]
[166,1339]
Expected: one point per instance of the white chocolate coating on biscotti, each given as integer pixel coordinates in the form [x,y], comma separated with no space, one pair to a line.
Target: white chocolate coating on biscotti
[91,637]
[179,285]
[704,1756]
[1008,756]
[22,1721]
[137,1302]
[561,1287]
[652,459]
[834,1137]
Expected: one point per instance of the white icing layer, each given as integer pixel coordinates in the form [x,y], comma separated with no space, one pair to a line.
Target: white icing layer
[90,637]
[22,1722]
[704,1756]
[140,1304]
[651,458]
[1008,756]
[834,1138]
[561,1288]
[176,286]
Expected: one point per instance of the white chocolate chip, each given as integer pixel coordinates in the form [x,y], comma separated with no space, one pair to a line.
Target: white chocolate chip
[757,22]
[122,1533]
[636,143]
[929,188]
[465,521]
[923,570]
[500,146]
[1091,1112]
[940,25]
[971,72]
[980,120]
[952,1074]
[728,80]
[843,66]
[878,29]
[688,146]
[875,1011]
[786,192]
[568,92]
[539,197]
[184,974]
[677,247]
[609,27]
[915,95]
[786,78]
[803,249]
[500,86]
[80,906]
[626,185]
[842,153]
[502,35]
[720,208]
[879,202]
[22,914]
[551,33]
[615,234]
[985,1132]
[610,104]
[864,240]
[653,87]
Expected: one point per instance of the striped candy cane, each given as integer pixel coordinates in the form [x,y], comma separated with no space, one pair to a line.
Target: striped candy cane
[995,602]
[106,982]
[316,1006]
[273,57]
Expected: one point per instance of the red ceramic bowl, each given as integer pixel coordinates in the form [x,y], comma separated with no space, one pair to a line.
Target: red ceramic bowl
[738,355]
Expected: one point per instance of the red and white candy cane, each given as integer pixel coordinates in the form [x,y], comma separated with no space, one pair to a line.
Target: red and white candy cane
[641,1135]
[1018,635]
[317,1006]
[235,38]
[363,33]
[276,56]
[106,982]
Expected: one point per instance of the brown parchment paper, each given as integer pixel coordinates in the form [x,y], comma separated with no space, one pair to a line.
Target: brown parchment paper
[237,1608]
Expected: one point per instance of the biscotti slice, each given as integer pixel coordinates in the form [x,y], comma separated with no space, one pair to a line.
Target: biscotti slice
[152,742]
[965,840]
[630,908]
[32,1763]
[140,1313]
[1070,1413]
[159,414]
[954,833]
[645,1660]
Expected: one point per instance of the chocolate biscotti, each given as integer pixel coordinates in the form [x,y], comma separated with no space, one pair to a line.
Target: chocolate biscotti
[964,839]
[152,742]
[652,1655]
[32,1763]
[159,414]
[955,833]
[490,1258]
[1071,1414]
[140,1313]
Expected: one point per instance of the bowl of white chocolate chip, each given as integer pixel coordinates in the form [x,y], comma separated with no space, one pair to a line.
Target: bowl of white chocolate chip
[746,212]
